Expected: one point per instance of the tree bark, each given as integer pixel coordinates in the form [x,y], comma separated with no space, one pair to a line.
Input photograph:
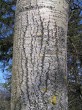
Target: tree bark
[39,55]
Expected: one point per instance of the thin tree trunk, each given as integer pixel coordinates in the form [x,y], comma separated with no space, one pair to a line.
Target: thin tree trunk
[39,55]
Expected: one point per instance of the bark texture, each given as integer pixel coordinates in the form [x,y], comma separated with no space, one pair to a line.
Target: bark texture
[39,55]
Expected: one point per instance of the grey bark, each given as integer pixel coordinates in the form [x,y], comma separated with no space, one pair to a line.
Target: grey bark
[39,55]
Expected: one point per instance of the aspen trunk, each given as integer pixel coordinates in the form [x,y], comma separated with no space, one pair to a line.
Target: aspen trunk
[39,55]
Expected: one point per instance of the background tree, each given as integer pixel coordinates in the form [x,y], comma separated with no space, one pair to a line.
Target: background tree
[75,55]
[7,9]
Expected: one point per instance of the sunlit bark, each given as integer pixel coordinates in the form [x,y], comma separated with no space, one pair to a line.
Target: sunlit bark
[39,55]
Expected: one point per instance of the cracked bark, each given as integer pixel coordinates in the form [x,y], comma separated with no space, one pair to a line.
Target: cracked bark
[39,55]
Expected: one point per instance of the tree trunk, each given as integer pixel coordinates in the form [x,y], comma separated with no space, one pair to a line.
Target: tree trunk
[39,55]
